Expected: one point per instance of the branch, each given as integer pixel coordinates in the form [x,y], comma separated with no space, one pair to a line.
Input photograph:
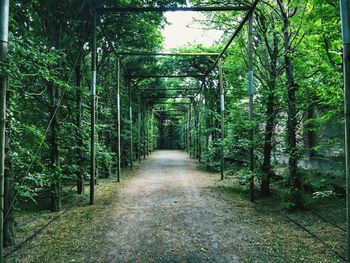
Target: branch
[329,56]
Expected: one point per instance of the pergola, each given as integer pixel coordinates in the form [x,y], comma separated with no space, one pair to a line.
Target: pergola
[97,12]
[249,10]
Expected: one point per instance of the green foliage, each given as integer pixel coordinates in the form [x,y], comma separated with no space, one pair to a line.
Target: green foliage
[49,99]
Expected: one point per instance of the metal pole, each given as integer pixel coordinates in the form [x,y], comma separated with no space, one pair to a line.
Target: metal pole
[194,131]
[96,139]
[147,131]
[143,132]
[185,135]
[190,129]
[93,109]
[139,131]
[152,132]
[165,54]
[251,100]
[222,103]
[199,138]
[106,10]
[131,127]
[4,19]
[345,16]
[118,109]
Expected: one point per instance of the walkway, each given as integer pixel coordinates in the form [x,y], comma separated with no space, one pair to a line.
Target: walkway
[169,211]
[167,214]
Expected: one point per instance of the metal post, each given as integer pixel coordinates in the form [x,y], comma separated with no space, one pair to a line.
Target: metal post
[206,118]
[345,16]
[185,139]
[194,131]
[139,131]
[118,109]
[147,131]
[4,19]
[96,140]
[185,135]
[251,100]
[143,132]
[190,129]
[199,138]
[131,132]
[222,103]
[93,109]
[152,132]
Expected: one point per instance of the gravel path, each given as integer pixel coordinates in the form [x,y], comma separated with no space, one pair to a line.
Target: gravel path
[167,214]
[167,210]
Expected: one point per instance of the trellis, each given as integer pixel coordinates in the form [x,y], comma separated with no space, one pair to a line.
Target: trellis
[217,63]
[4,18]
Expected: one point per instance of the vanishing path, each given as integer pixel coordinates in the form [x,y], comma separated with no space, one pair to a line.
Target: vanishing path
[167,214]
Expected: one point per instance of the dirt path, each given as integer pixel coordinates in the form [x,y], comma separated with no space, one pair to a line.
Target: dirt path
[165,215]
[167,210]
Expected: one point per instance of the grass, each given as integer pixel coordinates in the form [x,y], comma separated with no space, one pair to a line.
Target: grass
[79,234]
[73,236]
[283,241]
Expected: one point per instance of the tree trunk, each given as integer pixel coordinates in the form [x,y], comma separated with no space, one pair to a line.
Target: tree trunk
[79,138]
[270,117]
[9,192]
[56,180]
[266,167]
[295,183]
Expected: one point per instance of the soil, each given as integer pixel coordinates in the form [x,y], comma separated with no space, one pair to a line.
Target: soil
[168,210]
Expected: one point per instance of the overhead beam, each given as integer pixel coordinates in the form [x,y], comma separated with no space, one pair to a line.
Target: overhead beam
[164,97]
[167,110]
[168,89]
[238,29]
[163,76]
[115,10]
[162,54]
[172,102]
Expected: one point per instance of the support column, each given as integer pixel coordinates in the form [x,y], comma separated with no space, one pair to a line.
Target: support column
[199,138]
[194,124]
[143,132]
[147,131]
[251,100]
[185,134]
[186,129]
[131,127]
[206,117]
[152,132]
[139,131]
[93,109]
[345,16]
[96,140]
[118,131]
[4,19]
[222,103]
[149,140]
[190,129]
